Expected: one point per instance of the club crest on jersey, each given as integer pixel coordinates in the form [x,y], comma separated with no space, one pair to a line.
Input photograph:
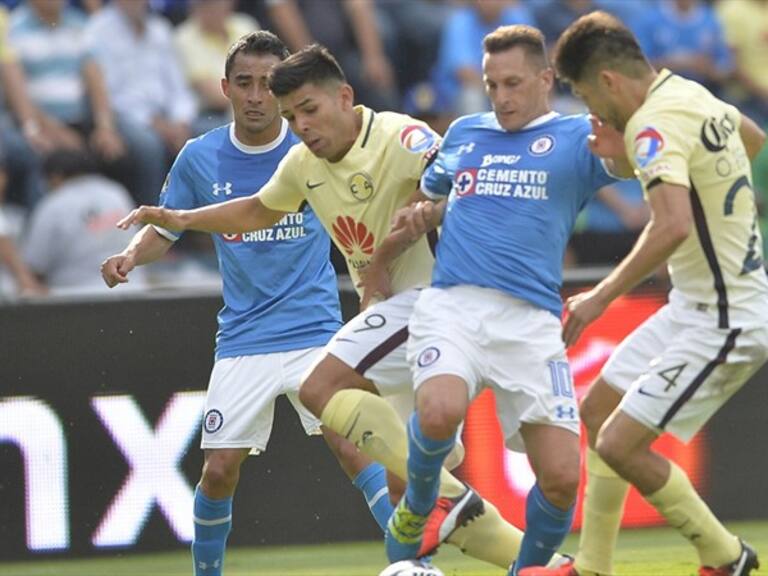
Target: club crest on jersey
[464,182]
[361,186]
[416,138]
[648,143]
[542,146]
[213,421]
[428,356]
[354,237]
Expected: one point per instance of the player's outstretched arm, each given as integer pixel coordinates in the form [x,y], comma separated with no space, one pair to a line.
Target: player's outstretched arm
[231,217]
[145,247]
[671,223]
[752,136]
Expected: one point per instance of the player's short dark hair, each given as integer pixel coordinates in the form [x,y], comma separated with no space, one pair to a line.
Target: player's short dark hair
[311,65]
[528,38]
[67,163]
[260,43]
[598,41]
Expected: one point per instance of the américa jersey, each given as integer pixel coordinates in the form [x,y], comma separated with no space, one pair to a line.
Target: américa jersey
[513,198]
[684,135]
[356,197]
[279,288]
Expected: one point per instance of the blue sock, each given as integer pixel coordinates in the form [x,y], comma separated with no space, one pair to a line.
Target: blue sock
[372,482]
[546,526]
[213,521]
[425,459]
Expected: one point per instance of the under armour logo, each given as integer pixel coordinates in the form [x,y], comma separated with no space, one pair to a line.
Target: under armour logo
[227,188]
[465,149]
[563,412]
[214,565]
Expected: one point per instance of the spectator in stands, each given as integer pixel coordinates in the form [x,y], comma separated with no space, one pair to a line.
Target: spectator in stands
[554,16]
[458,74]
[349,29]
[153,103]
[745,23]
[64,83]
[686,37]
[611,224]
[72,230]
[22,164]
[202,41]
[25,281]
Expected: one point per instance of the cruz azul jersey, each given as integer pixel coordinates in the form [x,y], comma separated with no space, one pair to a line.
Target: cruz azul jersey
[683,135]
[280,290]
[513,198]
[356,197]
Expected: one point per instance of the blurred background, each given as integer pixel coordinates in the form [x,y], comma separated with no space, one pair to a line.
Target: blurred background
[100,391]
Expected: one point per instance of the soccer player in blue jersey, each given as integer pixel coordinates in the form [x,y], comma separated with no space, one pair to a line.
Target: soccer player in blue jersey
[514,179]
[280,297]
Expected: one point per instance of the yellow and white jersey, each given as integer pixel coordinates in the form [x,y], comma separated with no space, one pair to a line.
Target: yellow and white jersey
[683,135]
[356,197]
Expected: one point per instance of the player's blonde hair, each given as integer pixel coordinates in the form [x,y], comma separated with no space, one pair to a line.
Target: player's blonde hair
[598,41]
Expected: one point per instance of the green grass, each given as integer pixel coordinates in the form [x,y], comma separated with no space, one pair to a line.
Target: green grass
[650,552]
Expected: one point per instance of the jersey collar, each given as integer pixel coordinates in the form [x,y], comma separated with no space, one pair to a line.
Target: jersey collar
[541,120]
[264,147]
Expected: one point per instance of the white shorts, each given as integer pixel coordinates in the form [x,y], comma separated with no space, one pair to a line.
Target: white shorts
[240,404]
[492,340]
[374,344]
[675,375]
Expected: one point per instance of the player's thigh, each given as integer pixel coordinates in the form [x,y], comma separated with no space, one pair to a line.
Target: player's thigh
[699,371]
[295,364]
[444,334]
[529,371]
[373,343]
[239,405]
[634,354]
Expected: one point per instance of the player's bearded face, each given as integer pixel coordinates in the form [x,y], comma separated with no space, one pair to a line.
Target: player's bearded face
[600,102]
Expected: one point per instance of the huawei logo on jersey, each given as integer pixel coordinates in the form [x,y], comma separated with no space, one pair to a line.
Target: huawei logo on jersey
[353,237]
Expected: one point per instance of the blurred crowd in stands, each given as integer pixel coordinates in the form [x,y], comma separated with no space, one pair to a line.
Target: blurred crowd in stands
[98,96]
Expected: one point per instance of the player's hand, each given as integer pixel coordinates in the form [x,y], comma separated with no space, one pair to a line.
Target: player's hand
[417,219]
[375,283]
[115,269]
[155,215]
[605,141]
[582,310]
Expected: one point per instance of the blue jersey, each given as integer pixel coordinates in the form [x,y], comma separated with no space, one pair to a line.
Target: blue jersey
[279,287]
[513,198]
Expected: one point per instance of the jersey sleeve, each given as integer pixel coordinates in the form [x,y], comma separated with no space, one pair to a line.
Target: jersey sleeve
[284,191]
[437,180]
[659,147]
[178,192]
[415,149]
[592,170]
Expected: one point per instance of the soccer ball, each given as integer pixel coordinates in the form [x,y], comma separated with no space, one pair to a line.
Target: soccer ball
[411,568]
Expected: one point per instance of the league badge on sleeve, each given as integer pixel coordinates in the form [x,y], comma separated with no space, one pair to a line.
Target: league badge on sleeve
[648,144]
[417,138]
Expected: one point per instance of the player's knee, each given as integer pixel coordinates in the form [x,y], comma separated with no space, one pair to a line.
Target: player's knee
[560,484]
[327,378]
[592,419]
[611,449]
[220,477]
[438,419]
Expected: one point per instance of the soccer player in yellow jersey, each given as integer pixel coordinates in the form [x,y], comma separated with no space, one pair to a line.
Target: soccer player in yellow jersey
[356,168]
[692,154]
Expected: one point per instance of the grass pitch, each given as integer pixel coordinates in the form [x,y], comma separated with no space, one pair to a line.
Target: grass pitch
[649,552]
